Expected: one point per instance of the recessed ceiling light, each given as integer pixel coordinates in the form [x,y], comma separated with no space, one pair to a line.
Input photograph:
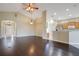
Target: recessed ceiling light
[67,9]
[54,13]
[51,21]
[70,15]
[31,22]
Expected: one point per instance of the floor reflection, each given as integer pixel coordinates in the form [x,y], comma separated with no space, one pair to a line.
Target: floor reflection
[8,42]
[8,45]
[49,48]
[31,50]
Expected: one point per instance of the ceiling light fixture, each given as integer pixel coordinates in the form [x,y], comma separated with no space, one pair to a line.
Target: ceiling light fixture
[70,15]
[54,13]
[30,7]
[31,22]
[51,21]
[67,9]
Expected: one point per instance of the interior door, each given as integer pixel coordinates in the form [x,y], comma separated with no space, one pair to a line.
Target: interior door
[8,28]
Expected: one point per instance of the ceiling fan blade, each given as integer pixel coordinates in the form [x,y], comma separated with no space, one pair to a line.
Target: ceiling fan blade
[34,7]
[31,6]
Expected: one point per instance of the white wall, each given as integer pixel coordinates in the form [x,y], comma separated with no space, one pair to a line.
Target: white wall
[74,38]
[40,25]
[6,16]
[23,26]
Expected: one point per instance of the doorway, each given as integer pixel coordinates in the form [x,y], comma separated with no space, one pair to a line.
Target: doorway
[8,28]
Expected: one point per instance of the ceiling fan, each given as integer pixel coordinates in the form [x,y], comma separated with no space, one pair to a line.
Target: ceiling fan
[30,7]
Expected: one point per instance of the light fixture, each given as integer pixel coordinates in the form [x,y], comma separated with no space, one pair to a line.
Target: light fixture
[54,13]
[69,15]
[51,21]
[30,7]
[67,9]
[31,22]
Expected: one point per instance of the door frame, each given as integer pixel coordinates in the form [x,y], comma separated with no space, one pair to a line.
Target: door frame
[3,23]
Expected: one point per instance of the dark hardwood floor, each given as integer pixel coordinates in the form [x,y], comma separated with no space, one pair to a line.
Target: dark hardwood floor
[35,46]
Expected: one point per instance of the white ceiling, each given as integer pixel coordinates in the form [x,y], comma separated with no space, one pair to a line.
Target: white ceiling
[59,9]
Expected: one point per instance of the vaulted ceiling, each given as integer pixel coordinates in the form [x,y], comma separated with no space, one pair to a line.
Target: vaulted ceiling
[58,11]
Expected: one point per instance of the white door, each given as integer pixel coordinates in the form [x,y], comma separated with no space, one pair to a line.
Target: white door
[8,28]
